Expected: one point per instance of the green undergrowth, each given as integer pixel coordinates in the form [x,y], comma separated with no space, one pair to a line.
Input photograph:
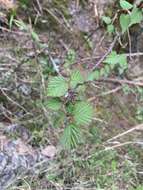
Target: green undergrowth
[91,168]
[71,107]
[67,89]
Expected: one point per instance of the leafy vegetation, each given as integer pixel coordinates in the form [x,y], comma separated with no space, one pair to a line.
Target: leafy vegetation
[65,93]
[132,16]
[79,100]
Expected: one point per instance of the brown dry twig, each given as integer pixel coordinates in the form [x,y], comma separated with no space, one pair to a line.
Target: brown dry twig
[122,81]
[107,53]
[13,101]
[136,54]
[138,127]
[105,93]
[122,144]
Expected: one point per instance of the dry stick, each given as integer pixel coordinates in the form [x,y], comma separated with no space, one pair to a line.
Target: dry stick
[39,6]
[14,102]
[134,54]
[113,147]
[107,53]
[122,144]
[105,93]
[13,32]
[121,81]
[137,54]
[138,127]
[111,80]
[57,19]
[111,91]
[99,44]
[56,68]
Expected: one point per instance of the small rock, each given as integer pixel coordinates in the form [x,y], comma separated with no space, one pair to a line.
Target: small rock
[49,151]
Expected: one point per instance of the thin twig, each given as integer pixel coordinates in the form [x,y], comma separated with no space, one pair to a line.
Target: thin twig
[122,144]
[108,148]
[136,54]
[105,93]
[13,32]
[100,120]
[56,68]
[121,81]
[14,102]
[107,53]
[98,45]
[111,91]
[138,127]
[39,6]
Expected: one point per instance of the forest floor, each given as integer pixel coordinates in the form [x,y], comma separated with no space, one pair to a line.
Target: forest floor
[110,156]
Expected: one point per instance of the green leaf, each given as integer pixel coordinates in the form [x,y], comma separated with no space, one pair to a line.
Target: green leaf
[140,187]
[76,78]
[125,4]
[124,22]
[111,58]
[106,19]
[122,60]
[24,2]
[116,59]
[110,28]
[35,36]
[95,75]
[83,113]
[69,108]
[53,104]
[57,86]
[71,136]
[136,16]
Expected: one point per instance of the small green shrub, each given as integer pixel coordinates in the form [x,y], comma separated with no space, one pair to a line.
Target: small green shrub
[66,90]
[128,16]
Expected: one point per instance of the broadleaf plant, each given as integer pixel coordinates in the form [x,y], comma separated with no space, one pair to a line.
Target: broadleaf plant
[76,78]
[66,97]
[117,60]
[129,15]
[83,113]
[136,16]
[107,19]
[53,104]
[125,4]
[64,92]
[71,136]
[110,26]
[132,17]
[61,97]
[57,86]
[125,22]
